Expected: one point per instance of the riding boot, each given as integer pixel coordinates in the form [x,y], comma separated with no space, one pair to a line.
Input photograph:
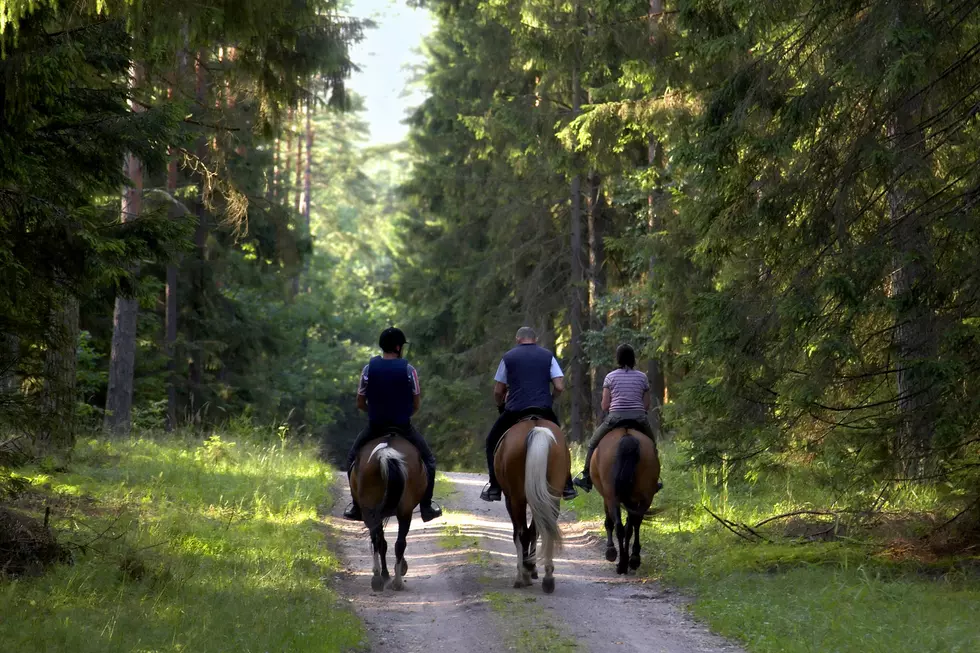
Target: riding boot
[427,509]
[586,481]
[353,511]
[569,492]
[492,491]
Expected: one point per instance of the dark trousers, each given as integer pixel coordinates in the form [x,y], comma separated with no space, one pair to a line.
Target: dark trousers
[410,433]
[507,419]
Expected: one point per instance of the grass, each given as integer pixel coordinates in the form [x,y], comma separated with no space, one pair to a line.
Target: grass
[526,625]
[189,546]
[849,595]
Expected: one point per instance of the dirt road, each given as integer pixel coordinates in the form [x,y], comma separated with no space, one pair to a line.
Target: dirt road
[459,597]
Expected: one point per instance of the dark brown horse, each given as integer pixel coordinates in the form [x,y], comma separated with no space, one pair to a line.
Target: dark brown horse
[626,471]
[532,464]
[388,481]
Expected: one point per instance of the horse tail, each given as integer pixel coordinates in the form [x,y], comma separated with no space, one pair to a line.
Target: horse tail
[543,504]
[394,476]
[624,471]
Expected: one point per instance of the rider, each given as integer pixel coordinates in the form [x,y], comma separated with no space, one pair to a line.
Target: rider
[389,393]
[625,396]
[524,379]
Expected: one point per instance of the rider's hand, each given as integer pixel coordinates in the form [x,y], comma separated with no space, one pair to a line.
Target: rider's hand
[500,409]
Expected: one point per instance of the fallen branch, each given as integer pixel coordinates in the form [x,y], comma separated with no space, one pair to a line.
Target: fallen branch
[735,526]
[796,513]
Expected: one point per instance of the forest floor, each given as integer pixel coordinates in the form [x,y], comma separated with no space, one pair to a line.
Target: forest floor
[459,594]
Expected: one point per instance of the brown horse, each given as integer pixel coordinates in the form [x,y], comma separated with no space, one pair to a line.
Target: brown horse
[625,470]
[532,464]
[388,481]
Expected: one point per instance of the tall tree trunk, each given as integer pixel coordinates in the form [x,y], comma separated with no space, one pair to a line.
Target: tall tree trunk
[579,381]
[56,432]
[9,361]
[655,371]
[297,197]
[308,178]
[198,270]
[915,334]
[170,312]
[122,362]
[597,283]
[287,176]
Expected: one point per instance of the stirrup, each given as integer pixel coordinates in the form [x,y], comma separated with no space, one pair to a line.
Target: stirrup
[430,512]
[353,512]
[491,493]
[583,481]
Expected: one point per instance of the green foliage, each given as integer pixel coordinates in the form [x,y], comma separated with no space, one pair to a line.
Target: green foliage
[870,588]
[182,548]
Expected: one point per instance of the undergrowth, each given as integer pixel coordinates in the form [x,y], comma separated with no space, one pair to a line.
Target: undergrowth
[860,589]
[182,545]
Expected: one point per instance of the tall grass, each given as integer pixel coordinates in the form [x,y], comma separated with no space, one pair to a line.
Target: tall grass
[187,545]
[851,594]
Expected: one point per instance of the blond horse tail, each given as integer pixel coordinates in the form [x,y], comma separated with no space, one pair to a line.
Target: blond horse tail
[543,504]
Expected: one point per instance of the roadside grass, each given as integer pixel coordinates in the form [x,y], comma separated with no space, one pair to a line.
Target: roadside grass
[525,625]
[863,591]
[183,545]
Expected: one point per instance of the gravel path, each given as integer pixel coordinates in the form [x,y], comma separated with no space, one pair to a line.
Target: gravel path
[460,573]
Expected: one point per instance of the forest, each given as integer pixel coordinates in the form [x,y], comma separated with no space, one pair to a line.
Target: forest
[776,202]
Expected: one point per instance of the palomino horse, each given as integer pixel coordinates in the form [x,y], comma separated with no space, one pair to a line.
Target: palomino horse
[625,470]
[532,464]
[388,481]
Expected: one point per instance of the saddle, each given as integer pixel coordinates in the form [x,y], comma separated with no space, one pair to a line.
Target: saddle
[535,413]
[628,423]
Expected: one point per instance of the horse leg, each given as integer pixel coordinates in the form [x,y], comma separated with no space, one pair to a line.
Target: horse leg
[621,538]
[518,517]
[610,525]
[634,522]
[531,550]
[401,567]
[548,546]
[377,582]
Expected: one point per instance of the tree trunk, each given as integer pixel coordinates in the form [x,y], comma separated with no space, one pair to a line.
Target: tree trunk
[579,381]
[56,435]
[655,372]
[915,335]
[298,196]
[597,285]
[198,272]
[308,178]
[287,177]
[170,313]
[122,361]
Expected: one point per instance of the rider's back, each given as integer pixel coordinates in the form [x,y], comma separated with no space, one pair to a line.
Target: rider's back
[528,377]
[390,395]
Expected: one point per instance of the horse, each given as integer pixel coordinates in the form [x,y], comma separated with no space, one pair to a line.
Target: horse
[532,464]
[388,481]
[626,470]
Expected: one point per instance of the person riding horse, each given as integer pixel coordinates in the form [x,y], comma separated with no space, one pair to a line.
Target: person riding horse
[389,392]
[523,388]
[625,397]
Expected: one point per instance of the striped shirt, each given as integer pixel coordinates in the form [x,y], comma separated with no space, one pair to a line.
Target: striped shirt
[627,388]
[413,376]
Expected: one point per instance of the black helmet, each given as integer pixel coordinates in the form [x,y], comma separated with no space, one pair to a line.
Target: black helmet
[391,341]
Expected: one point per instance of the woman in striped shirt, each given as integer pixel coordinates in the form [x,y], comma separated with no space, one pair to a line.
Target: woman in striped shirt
[625,396]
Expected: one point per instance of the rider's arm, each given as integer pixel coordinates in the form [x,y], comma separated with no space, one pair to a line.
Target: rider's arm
[362,403]
[499,393]
[559,383]
[362,390]
[416,401]
[606,399]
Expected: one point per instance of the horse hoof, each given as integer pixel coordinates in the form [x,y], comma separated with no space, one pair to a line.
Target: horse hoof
[548,585]
[611,554]
[634,562]
[404,567]
[519,584]
[397,585]
[377,583]
[534,574]
[621,569]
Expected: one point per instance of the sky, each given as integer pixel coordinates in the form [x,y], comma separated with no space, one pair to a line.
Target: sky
[385,57]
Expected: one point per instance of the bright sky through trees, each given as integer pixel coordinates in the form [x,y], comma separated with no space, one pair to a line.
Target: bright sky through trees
[387,57]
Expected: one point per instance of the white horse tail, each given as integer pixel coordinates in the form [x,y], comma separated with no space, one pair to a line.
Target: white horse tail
[394,474]
[543,504]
